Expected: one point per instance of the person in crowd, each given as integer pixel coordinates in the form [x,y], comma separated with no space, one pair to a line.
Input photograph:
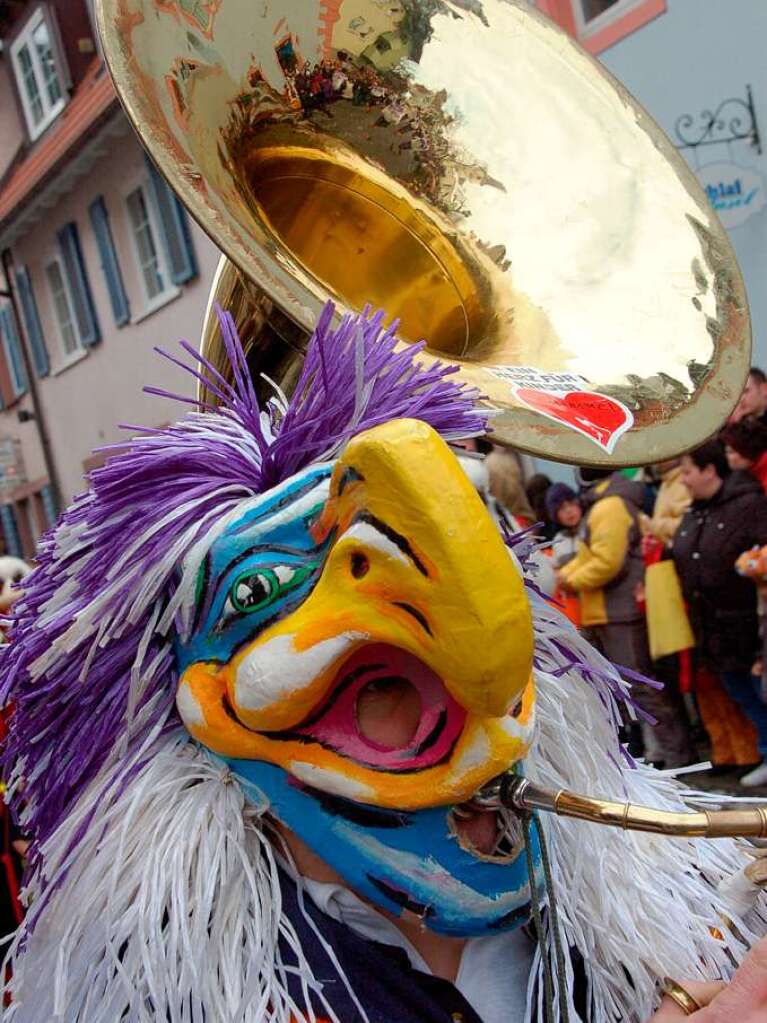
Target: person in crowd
[728,515]
[753,565]
[672,501]
[563,507]
[13,845]
[746,447]
[674,669]
[731,735]
[607,573]
[497,478]
[753,400]
[536,488]
[507,486]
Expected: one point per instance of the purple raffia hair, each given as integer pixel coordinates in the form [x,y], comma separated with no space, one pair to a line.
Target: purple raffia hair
[90,672]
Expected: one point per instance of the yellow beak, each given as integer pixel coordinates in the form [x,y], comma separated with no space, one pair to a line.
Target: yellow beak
[418,565]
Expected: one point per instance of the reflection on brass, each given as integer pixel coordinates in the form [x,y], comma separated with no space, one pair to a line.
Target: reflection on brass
[339,223]
[463,165]
[519,794]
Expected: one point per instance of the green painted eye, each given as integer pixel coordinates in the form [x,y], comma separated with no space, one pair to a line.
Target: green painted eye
[253,591]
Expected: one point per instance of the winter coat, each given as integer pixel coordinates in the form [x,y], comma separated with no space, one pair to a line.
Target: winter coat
[722,603]
[672,502]
[564,547]
[758,469]
[608,567]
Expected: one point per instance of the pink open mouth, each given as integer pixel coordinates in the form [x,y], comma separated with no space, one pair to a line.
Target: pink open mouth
[387,710]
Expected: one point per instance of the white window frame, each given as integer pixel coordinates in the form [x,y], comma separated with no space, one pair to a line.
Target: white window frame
[65,358]
[50,110]
[150,303]
[588,28]
[19,386]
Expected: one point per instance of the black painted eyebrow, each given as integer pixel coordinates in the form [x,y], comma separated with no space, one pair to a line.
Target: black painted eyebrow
[270,548]
[209,593]
[202,587]
[396,538]
[204,594]
[284,501]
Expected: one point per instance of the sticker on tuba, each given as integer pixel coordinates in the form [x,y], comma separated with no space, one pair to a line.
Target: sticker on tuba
[565,399]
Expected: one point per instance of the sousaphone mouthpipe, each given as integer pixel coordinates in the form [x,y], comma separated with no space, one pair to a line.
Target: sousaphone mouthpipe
[521,795]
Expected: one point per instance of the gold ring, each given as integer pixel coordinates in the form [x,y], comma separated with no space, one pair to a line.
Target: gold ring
[681,996]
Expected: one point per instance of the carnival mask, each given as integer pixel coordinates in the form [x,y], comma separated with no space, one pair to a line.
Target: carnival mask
[382,571]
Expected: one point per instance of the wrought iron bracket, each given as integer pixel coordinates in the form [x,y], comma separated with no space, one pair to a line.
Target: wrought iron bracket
[734,120]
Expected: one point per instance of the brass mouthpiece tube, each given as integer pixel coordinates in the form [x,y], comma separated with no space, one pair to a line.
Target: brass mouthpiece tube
[519,794]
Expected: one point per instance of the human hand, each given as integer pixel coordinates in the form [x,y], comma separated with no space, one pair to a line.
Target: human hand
[21,846]
[744,999]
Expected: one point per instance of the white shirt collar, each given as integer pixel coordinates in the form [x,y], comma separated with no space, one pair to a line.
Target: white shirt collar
[494,972]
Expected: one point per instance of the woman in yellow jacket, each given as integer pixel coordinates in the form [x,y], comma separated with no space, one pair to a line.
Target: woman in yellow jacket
[672,502]
[607,573]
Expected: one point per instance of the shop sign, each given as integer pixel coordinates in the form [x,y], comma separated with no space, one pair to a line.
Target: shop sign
[736,193]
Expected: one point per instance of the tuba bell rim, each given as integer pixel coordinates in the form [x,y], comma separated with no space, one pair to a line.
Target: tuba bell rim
[655,435]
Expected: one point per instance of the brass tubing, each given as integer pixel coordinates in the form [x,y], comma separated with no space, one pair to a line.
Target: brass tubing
[519,794]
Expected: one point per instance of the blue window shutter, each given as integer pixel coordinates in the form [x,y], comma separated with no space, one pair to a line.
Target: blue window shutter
[176,237]
[32,322]
[82,299]
[10,529]
[109,264]
[13,349]
[49,504]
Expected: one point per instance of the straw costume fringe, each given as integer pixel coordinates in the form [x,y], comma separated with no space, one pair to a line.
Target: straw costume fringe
[168,906]
[153,889]
[636,906]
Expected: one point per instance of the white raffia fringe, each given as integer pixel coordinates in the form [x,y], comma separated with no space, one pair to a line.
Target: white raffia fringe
[636,906]
[169,907]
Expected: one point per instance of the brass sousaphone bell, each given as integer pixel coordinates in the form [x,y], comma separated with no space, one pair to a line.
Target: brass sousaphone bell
[464,165]
[467,167]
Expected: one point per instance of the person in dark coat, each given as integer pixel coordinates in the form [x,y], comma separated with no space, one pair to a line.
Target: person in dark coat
[536,488]
[728,516]
[745,444]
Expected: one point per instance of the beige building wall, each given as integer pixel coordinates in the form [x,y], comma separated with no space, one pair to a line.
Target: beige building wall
[11,129]
[86,400]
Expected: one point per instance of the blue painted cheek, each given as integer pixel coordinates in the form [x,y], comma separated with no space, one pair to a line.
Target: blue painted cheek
[401,860]
[221,643]
[248,549]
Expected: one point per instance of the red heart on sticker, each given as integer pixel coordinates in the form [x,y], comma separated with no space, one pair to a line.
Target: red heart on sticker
[603,420]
